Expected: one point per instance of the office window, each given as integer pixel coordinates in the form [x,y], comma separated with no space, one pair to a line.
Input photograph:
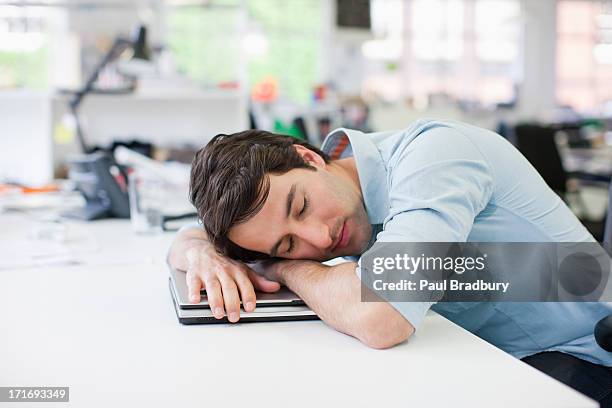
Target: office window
[497,36]
[584,55]
[465,50]
[24,46]
[437,29]
[497,30]
[383,52]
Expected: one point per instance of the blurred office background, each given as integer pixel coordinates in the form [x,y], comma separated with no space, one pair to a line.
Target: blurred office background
[539,72]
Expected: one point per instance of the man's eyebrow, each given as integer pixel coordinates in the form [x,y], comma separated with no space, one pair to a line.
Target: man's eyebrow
[290,198]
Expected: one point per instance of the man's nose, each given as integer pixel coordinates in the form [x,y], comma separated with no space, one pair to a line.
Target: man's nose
[317,235]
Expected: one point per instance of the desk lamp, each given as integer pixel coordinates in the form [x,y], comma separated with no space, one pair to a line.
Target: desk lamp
[99,179]
[139,63]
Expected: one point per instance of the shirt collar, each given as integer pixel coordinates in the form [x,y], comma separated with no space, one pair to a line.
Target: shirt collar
[370,168]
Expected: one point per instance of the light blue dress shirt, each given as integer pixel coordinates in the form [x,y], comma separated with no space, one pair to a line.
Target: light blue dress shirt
[452,182]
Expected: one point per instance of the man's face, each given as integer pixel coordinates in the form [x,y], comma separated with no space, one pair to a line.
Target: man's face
[316,215]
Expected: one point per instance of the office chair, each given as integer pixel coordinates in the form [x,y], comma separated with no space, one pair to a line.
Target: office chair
[603,328]
[537,144]
[607,237]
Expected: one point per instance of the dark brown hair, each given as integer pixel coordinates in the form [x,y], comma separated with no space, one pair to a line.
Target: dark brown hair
[229,181]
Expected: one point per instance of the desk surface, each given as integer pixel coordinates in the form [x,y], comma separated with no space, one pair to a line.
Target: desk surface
[106,328]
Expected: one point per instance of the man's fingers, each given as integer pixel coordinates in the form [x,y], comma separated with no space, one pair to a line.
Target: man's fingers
[231,298]
[215,299]
[194,285]
[247,292]
[263,284]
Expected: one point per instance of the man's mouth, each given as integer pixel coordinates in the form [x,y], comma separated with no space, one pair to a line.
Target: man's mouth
[343,237]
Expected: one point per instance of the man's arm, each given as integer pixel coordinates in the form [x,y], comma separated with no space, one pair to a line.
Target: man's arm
[334,293]
[189,241]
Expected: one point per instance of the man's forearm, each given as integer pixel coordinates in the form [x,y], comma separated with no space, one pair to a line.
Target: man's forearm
[187,240]
[334,293]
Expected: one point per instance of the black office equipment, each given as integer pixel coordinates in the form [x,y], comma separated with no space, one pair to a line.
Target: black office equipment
[537,143]
[103,184]
[607,237]
[353,14]
[603,333]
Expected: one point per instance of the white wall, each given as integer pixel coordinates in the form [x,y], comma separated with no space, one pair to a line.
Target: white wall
[163,119]
[26,149]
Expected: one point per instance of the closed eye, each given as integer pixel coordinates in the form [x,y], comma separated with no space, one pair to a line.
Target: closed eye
[300,214]
[305,207]
[290,246]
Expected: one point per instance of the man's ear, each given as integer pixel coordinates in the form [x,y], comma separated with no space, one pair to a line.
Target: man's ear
[310,157]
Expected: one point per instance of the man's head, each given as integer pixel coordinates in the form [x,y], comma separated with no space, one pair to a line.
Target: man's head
[261,195]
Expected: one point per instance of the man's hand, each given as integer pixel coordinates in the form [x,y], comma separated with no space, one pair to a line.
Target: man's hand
[226,281]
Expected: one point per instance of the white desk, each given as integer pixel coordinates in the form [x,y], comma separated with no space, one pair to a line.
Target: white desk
[110,333]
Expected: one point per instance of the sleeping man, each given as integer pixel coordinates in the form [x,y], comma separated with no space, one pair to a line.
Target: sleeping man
[262,196]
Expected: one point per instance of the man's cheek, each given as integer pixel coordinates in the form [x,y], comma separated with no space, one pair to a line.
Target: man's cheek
[311,257]
[308,256]
[297,256]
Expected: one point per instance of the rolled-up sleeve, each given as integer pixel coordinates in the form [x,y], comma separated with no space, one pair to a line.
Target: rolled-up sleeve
[438,183]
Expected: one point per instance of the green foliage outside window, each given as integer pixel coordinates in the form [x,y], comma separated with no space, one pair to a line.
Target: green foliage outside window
[24,69]
[206,42]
